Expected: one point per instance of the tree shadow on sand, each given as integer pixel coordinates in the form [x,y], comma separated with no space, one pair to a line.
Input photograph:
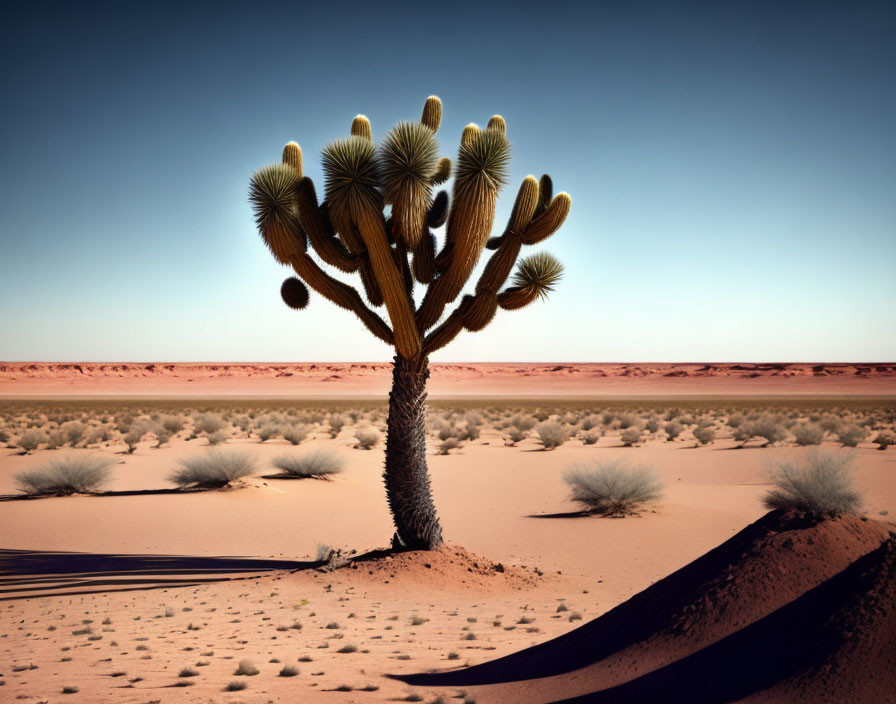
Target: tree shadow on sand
[35,573]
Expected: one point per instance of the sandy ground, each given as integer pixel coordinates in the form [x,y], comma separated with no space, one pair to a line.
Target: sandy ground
[360,379]
[489,497]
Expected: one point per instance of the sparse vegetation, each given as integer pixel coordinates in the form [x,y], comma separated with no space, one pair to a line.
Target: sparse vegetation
[552,435]
[808,434]
[79,473]
[246,668]
[215,469]
[820,487]
[318,463]
[613,488]
[367,438]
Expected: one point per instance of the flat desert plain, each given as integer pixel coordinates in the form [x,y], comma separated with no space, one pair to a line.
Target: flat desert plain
[281,590]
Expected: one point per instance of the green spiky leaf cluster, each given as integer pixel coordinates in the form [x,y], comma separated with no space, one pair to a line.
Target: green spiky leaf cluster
[540,272]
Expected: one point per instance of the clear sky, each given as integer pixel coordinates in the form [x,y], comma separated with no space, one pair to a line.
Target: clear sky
[732,168]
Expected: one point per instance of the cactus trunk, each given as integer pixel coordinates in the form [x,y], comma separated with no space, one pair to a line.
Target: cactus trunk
[407,475]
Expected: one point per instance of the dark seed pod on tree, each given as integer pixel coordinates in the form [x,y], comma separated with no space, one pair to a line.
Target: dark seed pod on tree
[272,192]
[438,212]
[424,264]
[294,293]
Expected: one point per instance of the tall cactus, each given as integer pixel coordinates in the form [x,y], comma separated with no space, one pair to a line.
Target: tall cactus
[349,231]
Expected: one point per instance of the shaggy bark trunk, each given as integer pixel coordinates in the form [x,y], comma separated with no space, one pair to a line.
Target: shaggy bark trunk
[407,476]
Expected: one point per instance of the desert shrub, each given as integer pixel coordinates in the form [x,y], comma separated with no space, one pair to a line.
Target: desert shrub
[216,438]
[295,434]
[851,435]
[672,430]
[55,440]
[336,423]
[235,686]
[523,423]
[808,434]
[367,438]
[630,436]
[830,424]
[551,434]
[208,423]
[447,445]
[101,433]
[318,463]
[173,424]
[625,421]
[30,440]
[76,474]
[591,438]
[246,668]
[590,422]
[652,425]
[735,421]
[268,431]
[613,488]
[162,435]
[820,487]
[73,431]
[884,439]
[516,435]
[215,469]
[768,428]
[704,434]
[134,436]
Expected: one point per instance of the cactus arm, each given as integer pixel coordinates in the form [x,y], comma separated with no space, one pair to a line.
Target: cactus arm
[549,221]
[341,294]
[481,171]
[424,265]
[316,222]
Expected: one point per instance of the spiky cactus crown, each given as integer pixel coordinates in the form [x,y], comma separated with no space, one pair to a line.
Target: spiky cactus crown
[350,231]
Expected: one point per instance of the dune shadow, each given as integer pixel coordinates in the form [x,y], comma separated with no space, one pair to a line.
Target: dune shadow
[36,573]
[128,492]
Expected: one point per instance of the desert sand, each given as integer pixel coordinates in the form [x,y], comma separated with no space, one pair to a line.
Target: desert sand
[362,379]
[119,594]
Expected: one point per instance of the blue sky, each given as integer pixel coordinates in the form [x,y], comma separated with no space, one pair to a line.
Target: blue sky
[732,168]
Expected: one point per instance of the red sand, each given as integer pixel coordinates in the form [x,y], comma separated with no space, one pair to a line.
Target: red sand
[476,379]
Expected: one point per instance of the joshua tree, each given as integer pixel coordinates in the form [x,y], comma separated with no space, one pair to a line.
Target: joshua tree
[350,232]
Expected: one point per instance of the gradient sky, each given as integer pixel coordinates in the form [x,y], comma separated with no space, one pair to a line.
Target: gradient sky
[732,168]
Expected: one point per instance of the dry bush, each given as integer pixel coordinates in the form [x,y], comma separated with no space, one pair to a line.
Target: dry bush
[215,469]
[295,434]
[523,423]
[516,435]
[884,439]
[851,435]
[820,487]
[591,438]
[551,434]
[268,431]
[80,473]
[336,423]
[448,444]
[630,436]
[367,438]
[73,431]
[613,488]
[704,434]
[30,440]
[808,434]
[173,424]
[217,438]
[318,463]
[672,430]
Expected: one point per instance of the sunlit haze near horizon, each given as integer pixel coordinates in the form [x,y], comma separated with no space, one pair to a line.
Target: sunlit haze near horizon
[732,168]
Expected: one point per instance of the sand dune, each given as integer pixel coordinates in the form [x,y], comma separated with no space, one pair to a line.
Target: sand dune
[786,610]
